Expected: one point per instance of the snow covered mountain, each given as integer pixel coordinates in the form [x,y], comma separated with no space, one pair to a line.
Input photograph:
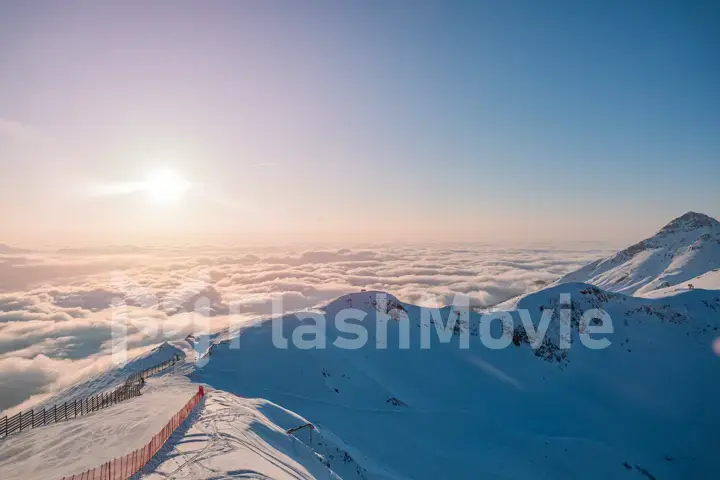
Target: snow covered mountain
[683,249]
[642,408]
[406,405]
[448,412]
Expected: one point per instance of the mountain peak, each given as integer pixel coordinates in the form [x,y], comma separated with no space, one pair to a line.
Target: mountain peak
[690,221]
[682,250]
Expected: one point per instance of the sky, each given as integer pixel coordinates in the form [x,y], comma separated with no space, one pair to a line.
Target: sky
[352,122]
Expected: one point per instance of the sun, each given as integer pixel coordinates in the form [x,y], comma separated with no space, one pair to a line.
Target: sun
[165,186]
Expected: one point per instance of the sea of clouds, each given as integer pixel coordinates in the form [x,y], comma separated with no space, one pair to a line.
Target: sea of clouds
[56,306]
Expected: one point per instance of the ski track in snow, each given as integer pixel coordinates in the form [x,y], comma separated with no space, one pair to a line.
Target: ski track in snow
[219,434]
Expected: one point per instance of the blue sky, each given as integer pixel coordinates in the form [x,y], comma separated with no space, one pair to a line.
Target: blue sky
[492,121]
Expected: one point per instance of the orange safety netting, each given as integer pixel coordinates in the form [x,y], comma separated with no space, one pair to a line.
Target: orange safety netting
[124,467]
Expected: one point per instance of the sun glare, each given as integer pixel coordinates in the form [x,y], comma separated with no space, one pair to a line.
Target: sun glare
[164,186]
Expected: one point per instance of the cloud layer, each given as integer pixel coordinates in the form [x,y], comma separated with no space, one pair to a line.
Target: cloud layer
[56,306]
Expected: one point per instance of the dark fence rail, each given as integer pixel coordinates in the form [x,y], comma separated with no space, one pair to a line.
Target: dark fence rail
[38,418]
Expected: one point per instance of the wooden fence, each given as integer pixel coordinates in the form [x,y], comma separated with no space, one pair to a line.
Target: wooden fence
[38,418]
[135,377]
[124,467]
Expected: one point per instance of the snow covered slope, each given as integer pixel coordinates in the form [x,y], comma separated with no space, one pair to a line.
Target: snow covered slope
[685,248]
[447,412]
[73,446]
[115,377]
[707,281]
[644,407]
[231,437]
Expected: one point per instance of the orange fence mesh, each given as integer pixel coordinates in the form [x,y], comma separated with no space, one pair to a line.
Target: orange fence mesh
[124,467]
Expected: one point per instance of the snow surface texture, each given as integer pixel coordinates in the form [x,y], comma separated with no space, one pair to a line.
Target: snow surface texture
[685,248]
[706,281]
[232,437]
